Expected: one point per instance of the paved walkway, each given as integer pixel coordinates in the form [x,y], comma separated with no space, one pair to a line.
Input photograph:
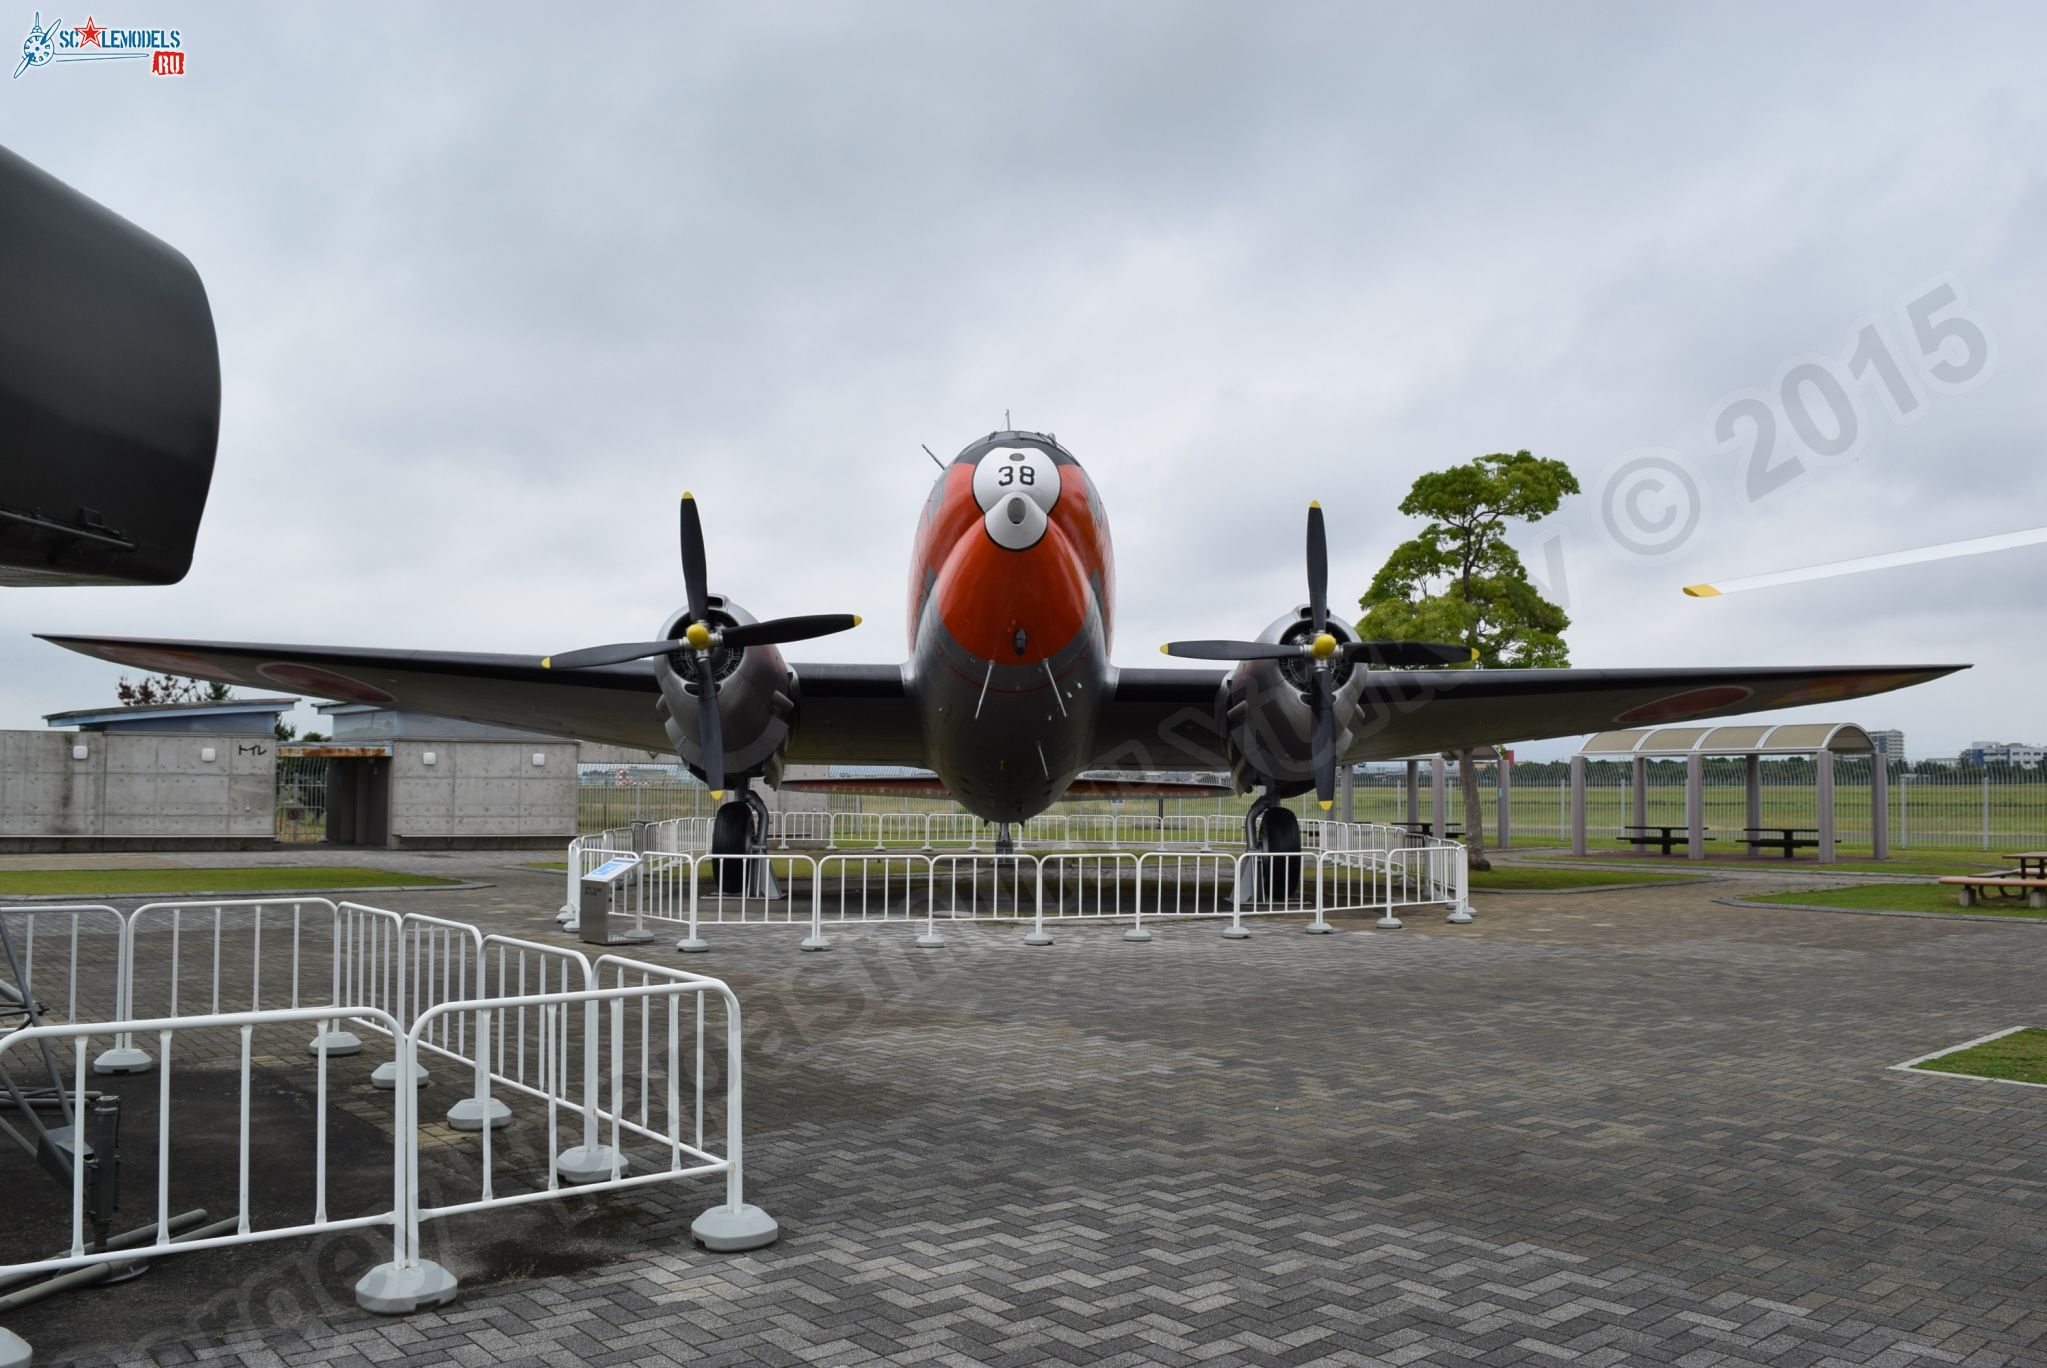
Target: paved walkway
[1627,1127]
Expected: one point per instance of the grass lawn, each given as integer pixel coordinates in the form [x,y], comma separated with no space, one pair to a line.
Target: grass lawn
[263,878]
[1908,897]
[558,866]
[2020,1056]
[1523,876]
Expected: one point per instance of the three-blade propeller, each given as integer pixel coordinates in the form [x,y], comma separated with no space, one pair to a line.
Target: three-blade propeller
[692,651]
[1324,649]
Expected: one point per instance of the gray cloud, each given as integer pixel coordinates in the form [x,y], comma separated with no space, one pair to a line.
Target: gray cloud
[493,286]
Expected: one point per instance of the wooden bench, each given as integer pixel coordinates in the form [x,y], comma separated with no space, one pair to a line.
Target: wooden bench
[2007,885]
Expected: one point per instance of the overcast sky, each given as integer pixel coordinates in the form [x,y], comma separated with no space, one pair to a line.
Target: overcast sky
[494,285]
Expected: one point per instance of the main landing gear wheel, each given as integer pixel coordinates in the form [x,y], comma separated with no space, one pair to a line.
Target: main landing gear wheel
[739,828]
[1277,831]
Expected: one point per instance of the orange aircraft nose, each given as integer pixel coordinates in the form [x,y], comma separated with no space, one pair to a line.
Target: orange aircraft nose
[1013,590]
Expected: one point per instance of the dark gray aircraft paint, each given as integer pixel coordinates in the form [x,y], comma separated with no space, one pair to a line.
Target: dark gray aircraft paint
[109,392]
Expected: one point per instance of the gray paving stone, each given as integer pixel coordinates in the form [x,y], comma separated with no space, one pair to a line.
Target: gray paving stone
[1671,1139]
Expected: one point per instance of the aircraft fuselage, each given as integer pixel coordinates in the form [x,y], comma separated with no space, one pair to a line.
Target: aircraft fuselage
[1011,617]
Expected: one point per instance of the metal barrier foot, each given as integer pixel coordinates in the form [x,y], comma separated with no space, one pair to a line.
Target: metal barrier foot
[728,1229]
[385,1076]
[639,936]
[692,945]
[1319,928]
[389,1290]
[121,1059]
[1038,938]
[930,940]
[1236,933]
[1137,934]
[1389,922]
[334,1043]
[467,1116]
[588,1163]
[816,943]
[1459,915]
[14,1350]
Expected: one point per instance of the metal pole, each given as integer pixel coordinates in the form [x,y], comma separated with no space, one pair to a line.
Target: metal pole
[1439,797]
[1504,772]
[1577,805]
[1695,806]
[1753,768]
[1823,792]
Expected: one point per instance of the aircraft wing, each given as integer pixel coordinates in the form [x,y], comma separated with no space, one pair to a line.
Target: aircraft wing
[848,714]
[1157,720]
[1165,719]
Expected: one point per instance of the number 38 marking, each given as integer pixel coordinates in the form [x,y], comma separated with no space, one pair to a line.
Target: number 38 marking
[1010,475]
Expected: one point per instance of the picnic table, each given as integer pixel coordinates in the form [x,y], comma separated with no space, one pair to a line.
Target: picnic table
[1668,837]
[1786,838]
[2032,864]
[1429,829]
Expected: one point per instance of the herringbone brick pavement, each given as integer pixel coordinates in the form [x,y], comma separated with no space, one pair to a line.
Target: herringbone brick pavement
[1620,1128]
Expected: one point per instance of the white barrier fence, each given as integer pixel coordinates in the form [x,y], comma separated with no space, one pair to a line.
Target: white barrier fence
[1359,869]
[929,832]
[518,1019]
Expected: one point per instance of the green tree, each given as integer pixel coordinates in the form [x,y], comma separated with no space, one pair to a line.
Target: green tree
[165,688]
[1458,580]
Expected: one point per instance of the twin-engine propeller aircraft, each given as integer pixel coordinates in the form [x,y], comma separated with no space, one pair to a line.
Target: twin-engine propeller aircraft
[1008,695]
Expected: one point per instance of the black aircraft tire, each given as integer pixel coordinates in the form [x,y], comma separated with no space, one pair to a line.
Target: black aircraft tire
[731,830]
[1279,833]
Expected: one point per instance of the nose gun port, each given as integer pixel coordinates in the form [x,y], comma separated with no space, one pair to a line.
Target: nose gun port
[1015,523]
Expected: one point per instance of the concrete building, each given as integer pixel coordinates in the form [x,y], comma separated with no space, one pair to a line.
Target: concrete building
[409,780]
[1889,743]
[193,776]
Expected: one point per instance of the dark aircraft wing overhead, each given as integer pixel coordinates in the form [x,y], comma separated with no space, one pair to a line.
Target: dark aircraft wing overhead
[109,392]
[848,714]
[1165,719]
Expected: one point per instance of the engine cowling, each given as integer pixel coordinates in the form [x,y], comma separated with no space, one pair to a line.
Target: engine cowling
[1267,711]
[756,699]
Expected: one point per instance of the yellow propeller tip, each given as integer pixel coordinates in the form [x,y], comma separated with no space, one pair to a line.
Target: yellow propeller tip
[547,662]
[1474,654]
[1314,503]
[1326,803]
[688,497]
[1701,591]
[856,619]
[717,793]
[1165,650]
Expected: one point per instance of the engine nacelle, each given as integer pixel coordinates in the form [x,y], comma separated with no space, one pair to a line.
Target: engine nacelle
[1267,709]
[756,699]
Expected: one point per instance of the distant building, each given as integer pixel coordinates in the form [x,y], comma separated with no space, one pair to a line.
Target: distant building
[228,717]
[1890,743]
[2012,753]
